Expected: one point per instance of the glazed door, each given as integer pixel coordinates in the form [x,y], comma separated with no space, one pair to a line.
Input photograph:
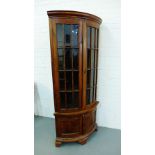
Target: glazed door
[91,61]
[67,36]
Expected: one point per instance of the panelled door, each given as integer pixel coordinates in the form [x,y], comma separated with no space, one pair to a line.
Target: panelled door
[67,57]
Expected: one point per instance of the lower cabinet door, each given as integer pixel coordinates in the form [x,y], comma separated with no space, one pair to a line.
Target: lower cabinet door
[69,126]
[89,121]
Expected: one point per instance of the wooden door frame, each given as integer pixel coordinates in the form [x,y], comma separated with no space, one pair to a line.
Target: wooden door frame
[54,58]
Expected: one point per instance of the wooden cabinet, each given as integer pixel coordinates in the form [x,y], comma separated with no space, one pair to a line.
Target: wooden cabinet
[74,38]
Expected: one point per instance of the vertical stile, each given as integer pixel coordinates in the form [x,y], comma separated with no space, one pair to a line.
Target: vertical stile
[97,60]
[94,65]
[90,63]
[84,31]
[64,65]
[71,47]
[79,40]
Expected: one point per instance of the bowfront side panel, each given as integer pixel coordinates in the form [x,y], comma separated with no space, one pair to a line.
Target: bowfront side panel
[92,33]
[89,121]
[90,61]
[74,58]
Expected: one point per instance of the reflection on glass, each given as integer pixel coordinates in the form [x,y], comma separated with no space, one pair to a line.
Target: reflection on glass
[69,80]
[75,58]
[92,59]
[88,37]
[62,100]
[92,78]
[61,58]
[88,58]
[91,95]
[74,35]
[59,35]
[95,65]
[95,58]
[60,52]
[67,31]
[96,38]
[92,37]
[95,93]
[61,62]
[68,58]
[95,76]
[76,79]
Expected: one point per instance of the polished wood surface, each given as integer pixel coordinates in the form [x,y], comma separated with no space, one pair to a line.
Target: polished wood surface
[74,122]
[73,14]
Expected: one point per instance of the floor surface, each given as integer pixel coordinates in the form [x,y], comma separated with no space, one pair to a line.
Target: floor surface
[105,141]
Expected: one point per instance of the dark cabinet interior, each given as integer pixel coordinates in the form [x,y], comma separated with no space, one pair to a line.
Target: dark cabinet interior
[74,38]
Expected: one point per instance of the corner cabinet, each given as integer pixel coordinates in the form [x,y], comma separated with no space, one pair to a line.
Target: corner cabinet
[74,38]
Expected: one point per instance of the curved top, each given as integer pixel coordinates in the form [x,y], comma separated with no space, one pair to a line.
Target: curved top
[62,13]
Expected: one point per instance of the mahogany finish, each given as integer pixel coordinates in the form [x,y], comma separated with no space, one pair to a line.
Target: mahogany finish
[74,60]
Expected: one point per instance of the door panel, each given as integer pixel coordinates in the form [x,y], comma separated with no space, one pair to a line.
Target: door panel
[69,126]
[69,54]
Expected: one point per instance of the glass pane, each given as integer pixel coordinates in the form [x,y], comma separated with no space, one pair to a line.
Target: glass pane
[70,103]
[60,35]
[62,100]
[60,52]
[91,95]
[92,59]
[68,80]
[61,75]
[88,79]
[75,58]
[88,37]
[96,38]
[75,35]
[95,93]
[88,96]
[95,75]
[96,78]
[61,80]
[88,58]
[67,31]
[61,59]
[61,62]
[92,37]
[62,84]
[95,71]
[76,99]
[92,78]
[68,58]
[95,58]
[76,79]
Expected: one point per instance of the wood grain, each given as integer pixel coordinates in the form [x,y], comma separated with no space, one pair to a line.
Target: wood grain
[73,124]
